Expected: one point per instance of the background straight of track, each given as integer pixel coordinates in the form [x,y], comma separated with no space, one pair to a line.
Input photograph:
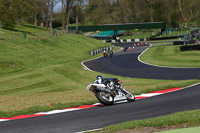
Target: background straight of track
[127,64]
[98,117]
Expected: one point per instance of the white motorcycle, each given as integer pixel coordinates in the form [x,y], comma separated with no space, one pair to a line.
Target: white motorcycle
[110,92]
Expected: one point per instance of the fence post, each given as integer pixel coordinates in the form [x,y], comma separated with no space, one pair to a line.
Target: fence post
[54,33]
[24,35]
[13,37]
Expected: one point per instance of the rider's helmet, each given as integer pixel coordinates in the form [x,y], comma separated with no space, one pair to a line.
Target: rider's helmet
[99,77]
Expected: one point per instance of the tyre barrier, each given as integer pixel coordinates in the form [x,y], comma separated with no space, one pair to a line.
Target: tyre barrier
[125,40]
[190,47]
[163,38]
[184,42]
[178,42]
[101,50]
[138,44]
[141,39]
[125,49]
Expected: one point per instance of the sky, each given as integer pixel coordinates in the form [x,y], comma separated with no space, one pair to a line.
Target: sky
[58,7]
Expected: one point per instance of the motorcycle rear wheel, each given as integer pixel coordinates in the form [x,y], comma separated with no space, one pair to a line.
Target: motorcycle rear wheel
[105,98]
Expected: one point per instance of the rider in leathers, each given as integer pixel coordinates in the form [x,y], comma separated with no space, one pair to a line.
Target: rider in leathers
[106,81]
[100,80]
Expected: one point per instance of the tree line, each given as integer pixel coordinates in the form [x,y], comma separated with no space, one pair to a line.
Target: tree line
[93,12]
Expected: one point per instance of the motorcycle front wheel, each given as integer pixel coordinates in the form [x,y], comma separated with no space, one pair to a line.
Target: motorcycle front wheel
[105,98]
[130,97]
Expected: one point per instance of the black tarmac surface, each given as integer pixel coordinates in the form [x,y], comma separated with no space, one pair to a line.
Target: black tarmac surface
[125,64]
[98,117]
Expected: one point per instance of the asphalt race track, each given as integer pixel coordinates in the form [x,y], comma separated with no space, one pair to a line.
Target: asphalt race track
[99,117]
[127,64]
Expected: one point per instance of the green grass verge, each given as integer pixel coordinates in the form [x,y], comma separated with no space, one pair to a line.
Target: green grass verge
[147,34]
[175,33]
[171,56]
[37,72]
[184,130]
[162,41]
[176,120]
[136,35]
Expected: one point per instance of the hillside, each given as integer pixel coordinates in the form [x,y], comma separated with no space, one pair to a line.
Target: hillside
[40,51]
[32,68]
[42,70]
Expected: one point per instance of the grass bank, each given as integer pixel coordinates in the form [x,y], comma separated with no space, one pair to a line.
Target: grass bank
[136,35]
[173,121]
[37,72]
[175,33]
[171,56]
[184,130]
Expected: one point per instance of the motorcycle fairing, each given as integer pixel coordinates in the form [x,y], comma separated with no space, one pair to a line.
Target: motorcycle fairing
[92,87]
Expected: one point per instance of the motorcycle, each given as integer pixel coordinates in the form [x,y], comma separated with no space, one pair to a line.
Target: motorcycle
[110,92]
[111,54]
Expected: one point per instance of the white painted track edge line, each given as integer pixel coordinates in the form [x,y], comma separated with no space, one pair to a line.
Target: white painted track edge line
[169,91]
[58,111]
[150,94]
[90,130]
[144,98]
[82,63]
[2,120]
[86,67]
[192,85]
[183,88]
[48,113]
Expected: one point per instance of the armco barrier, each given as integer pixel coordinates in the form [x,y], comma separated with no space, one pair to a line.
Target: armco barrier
[190,47]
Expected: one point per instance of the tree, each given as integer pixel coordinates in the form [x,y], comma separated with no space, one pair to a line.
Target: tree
[159,11]
[63,15]
[53,3]
[99,11]
[77,9]
[7,14]
[90,12]
[69,4]
[46,12]
[149,5]
[133,11]
[180,8]
[22,9]
[37,8]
